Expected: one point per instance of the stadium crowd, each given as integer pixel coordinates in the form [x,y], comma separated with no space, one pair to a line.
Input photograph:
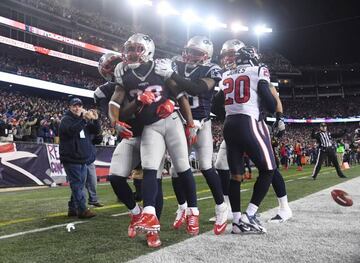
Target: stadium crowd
[54,72]
[98,22]
[333,107]
[37,119]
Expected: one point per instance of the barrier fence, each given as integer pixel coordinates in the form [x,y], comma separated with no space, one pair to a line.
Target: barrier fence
[29,164]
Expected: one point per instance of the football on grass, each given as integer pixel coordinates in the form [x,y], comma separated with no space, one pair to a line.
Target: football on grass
[341,197]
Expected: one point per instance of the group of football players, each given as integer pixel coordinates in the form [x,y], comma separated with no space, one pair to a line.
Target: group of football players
[164,105]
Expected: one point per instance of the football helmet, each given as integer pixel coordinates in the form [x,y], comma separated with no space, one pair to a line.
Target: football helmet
[248,55]
[229,53]
[138,49]
[198,51]
[107,64]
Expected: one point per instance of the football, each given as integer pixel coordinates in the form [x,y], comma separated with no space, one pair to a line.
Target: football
[341,197]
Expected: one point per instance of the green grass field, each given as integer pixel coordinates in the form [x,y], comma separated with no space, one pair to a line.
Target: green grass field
[104,238]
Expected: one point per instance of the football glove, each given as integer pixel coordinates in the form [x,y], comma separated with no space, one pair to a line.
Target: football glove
[146,98]
[165,109]
[191,134]
[279,125]
[164,67]
[122,129]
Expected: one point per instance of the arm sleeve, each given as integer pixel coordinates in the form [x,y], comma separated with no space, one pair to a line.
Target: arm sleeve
[217,106]
[313,134]
[94,127]
[267,99]
[193,88]
[339,134]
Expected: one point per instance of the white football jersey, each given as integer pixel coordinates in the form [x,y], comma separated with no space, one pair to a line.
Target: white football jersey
[240,88]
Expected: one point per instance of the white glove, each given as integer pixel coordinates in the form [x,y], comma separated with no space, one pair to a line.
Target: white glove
[279,128]
[164,67]
[119,71]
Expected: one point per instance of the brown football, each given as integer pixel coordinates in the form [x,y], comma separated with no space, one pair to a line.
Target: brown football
[341,197]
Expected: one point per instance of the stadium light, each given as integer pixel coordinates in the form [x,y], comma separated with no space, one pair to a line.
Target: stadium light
[213,23]
[189,17]
[136,3]
[165,9]
[261,29]
[237,27]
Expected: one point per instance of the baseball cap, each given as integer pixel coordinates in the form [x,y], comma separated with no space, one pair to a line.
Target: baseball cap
[323,124]
[75,101]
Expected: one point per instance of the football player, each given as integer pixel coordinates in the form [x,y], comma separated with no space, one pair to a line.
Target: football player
[150,100]
[126,156]
[246,90]
[197,76]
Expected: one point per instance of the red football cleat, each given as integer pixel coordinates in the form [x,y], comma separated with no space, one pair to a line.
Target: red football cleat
[131,228]
[192,222]
[147,222]
[153,239]
[180,218]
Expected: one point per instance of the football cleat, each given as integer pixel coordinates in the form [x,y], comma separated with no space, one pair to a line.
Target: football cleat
[221,212]
[192,223]
[131,228]
[281,216]
[238,228]
[153,239]
[148,223]
[180,218]
[253,223]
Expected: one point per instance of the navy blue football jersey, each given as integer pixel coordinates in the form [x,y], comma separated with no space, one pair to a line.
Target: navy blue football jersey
[143,79]
[201,104]
[102,97]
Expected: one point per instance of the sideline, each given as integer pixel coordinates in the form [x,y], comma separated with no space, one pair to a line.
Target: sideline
[320,231]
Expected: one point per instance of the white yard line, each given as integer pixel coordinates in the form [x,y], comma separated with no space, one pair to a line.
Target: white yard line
[40,229]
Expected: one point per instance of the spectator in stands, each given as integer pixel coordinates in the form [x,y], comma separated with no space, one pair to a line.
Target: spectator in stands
[76,128]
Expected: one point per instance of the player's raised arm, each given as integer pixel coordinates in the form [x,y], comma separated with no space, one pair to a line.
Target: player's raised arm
[115,102]
[165,68]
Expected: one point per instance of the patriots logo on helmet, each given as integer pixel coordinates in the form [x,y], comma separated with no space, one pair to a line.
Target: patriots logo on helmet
[207,42]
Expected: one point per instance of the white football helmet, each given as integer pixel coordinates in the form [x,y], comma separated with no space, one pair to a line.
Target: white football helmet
[198,51]
[229,53]
[138,49]
[107,64]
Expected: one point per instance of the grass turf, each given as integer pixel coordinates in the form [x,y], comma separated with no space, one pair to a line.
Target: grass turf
[104,238]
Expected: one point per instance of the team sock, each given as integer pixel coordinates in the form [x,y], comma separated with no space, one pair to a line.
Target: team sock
[214,183]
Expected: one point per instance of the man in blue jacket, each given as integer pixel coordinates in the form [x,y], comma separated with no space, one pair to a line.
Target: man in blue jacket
[76,130]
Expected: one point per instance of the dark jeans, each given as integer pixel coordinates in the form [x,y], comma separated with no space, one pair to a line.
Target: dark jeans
[76,175]
[91,182]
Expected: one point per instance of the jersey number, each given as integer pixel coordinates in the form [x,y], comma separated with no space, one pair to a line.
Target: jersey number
[156,89]
[193,101]
[242,90]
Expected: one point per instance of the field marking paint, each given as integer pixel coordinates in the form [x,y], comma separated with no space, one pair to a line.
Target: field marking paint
[291,180]
[303,177]
[39,230]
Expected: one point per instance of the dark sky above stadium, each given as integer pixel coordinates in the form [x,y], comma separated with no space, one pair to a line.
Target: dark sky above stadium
[304,31]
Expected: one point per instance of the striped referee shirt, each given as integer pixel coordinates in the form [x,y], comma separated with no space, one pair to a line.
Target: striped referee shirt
[325,139]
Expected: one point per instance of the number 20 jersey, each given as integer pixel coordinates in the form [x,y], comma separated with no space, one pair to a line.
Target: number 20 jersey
[240,87]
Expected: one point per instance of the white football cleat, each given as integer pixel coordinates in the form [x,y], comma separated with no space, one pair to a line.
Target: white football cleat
[221,212]
[282,216]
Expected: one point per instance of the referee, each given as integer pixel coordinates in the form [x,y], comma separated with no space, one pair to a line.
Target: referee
[326,149]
